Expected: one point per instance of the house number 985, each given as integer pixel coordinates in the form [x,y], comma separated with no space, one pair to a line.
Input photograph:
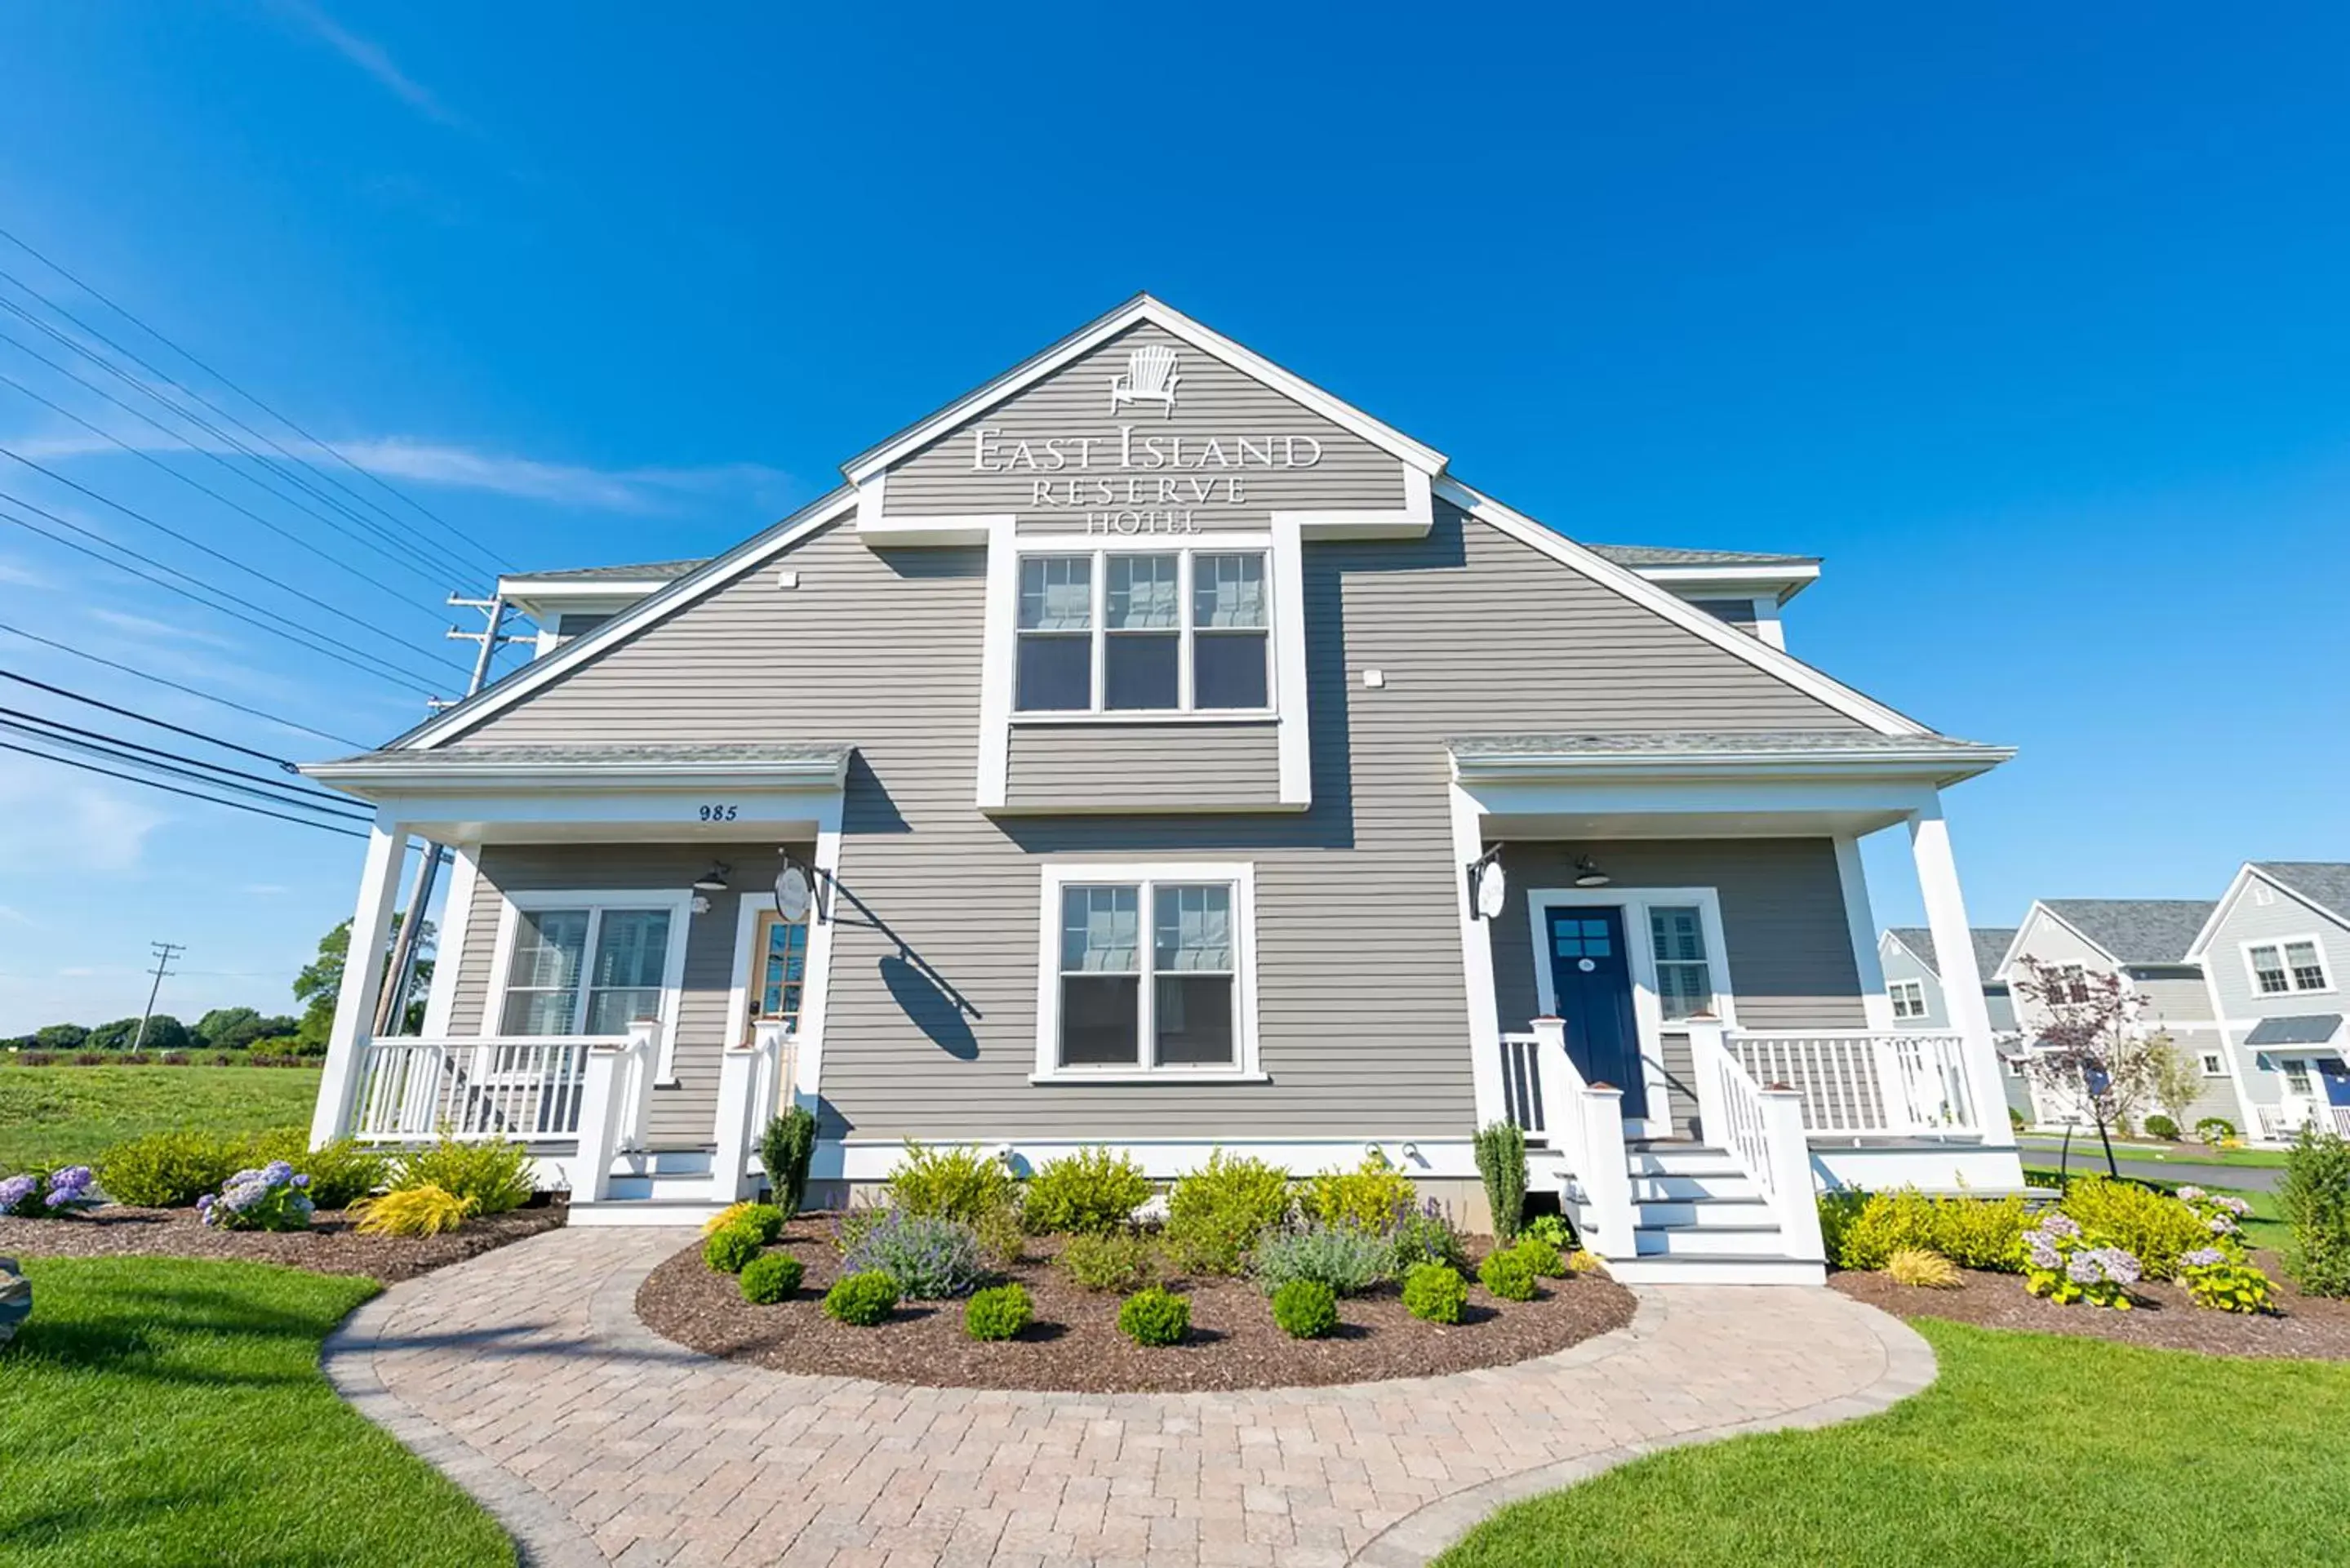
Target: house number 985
[719,813]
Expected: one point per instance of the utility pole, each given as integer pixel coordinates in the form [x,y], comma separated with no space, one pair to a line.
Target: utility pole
[164,954]
[391,1008]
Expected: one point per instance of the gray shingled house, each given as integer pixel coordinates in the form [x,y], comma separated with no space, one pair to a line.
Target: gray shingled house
[2269,954]
[1150,749]
[1913,987]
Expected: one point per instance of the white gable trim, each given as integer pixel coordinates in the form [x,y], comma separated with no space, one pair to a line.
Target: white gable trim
[1140,309]
[1889,941]
[1640,591]
[2039,911]
[2246,875]
[696,585]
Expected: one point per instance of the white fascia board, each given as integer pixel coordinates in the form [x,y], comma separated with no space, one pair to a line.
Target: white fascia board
[694,586]
[1889,940]
[2041,911]
[366,779]
[1142,308]
[1681,612]
[520,590]
[2222,909]
[1413,521]
[1934,767]
[1779,583]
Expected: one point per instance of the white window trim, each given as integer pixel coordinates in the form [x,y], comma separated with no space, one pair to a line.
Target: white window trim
[2253,976]
[1060,873]
[1186,548]
[1648,1007]
[679,905]
[1915,991]
[2203,1060]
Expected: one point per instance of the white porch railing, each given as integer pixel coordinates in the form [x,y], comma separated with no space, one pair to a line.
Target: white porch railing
[521,1087]
[1765,1131]
[2283,1123]
[1522,1085]
[1856,1083]
[1543,1094]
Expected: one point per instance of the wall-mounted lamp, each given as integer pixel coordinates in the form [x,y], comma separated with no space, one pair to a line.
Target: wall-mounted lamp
[1588,873]
[714,879]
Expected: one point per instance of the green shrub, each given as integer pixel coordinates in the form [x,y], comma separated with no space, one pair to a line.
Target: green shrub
[1508,1275]
[930,1256]
[1425,1235]
[495,1174]
[1864,1230]
[1546,1261]
[2219,1283]
[2314,1195]
[765,1218]
[730,1249]
[2152,1227]
[1089,1193]
[1553,1229]
[168,1170]
[956,1182]
[1371,1197]
[1502,1161]
[1435,1293]
[1000,1236]
[785,1149]
[770,1277]
[1306,1309]
[1348,1261]
[1153,1316]
[998,1313]
[1121,1261]
[2162,1126]
[414,1212]
[1215,1215]
[2212,1130]
[861,1299]
[343,1172]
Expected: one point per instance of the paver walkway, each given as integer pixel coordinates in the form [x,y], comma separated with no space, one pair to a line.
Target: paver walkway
[526,1376]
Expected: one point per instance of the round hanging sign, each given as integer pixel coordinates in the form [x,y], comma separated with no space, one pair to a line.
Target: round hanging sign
[1491,889]
[792,893]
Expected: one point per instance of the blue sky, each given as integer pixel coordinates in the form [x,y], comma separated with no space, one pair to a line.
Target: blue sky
[2034,325]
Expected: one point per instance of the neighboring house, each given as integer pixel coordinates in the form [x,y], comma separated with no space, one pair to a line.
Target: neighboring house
[2271,952]
[1217,772]
[1913,993]
[2146,941]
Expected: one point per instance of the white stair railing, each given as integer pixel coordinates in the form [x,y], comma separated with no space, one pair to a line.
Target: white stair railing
[1762,1128]
[747,1074]
[619,1075]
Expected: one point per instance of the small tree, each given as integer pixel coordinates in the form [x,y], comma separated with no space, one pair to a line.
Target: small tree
[60,1036]
[320,986]
[2093,1047]
[2176,1078]
[1502,1161]
[228,1029]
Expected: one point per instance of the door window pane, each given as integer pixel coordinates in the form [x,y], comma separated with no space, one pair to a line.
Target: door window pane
[783,971]
[1684,979]
[1101,983]
[624,983]
[542,976]
[1575,936]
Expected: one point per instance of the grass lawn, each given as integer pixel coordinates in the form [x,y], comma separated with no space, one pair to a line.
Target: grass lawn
[2156,1153]
[64,1115]
[2029,1448]
[159,1411]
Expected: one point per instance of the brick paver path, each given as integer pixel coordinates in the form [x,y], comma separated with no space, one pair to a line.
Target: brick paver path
[526,1376]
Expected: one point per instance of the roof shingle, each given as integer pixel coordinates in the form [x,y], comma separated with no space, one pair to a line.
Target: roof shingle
[2136,930]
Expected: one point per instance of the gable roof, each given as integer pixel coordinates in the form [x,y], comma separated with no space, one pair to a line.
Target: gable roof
[646,572]
[2135,930]
[709,576]
[1675,555]
[2325,883]
[1990,945]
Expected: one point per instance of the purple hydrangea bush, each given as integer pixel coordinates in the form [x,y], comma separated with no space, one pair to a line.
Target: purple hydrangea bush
[2065,1265]
[62,1192]
[274,1198]
[2220,1280]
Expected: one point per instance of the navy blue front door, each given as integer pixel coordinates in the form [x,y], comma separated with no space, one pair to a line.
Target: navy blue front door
[1591,976]
[2337,1081]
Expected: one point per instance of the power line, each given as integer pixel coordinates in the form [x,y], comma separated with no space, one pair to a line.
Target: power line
[377,481]
[439,560]
[174,789]
[301,788]
[150,459]
[380,671]
[158,724]
[175,686]
[117,751]
[165,528]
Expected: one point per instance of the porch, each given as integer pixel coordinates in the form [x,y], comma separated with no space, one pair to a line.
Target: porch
[1687,1018]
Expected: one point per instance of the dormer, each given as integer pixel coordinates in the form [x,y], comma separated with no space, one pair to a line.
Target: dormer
[1740,588]
[567,604]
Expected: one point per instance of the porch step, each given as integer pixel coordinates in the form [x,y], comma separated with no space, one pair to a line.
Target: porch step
[1706,1240]
[1704,1213]
[1735,1187]
[645,1211]
[1654,1157]
[1718,1268]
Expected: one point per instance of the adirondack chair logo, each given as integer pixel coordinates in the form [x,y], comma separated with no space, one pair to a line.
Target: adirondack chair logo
[1149,378]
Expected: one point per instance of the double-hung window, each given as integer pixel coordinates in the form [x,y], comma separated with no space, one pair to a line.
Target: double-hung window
[585,969]
[1684,979]
[1147,972]
[1909,998]
[1143,631]
[2281,968]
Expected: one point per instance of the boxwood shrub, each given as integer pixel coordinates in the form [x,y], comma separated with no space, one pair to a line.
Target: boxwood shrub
[1306,1309]
[1154,1316]
[1435,1293]
[861,1299]
[730,1249]
[770,1277]
[1508,1275]
[998,1313]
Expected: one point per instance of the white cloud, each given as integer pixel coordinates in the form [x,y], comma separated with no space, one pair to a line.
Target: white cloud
[52,814]
[15,916]
[370,57]
[144,626]
[16,572]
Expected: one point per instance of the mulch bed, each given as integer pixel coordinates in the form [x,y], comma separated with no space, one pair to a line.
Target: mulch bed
[2303,1328]
[331,1246]
[1074,1345]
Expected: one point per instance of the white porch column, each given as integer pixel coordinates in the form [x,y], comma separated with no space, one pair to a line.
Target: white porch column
[355,1004]
[1477,963]
[1954,946]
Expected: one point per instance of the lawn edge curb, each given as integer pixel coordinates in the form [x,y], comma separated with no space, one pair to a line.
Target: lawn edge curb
[543,1535]
[1423,1534]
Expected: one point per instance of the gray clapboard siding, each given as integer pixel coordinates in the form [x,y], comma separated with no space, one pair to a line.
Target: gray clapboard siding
[1181,766]
[1361,1013]
[1214,401]
[682,1116]
[2286,915]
